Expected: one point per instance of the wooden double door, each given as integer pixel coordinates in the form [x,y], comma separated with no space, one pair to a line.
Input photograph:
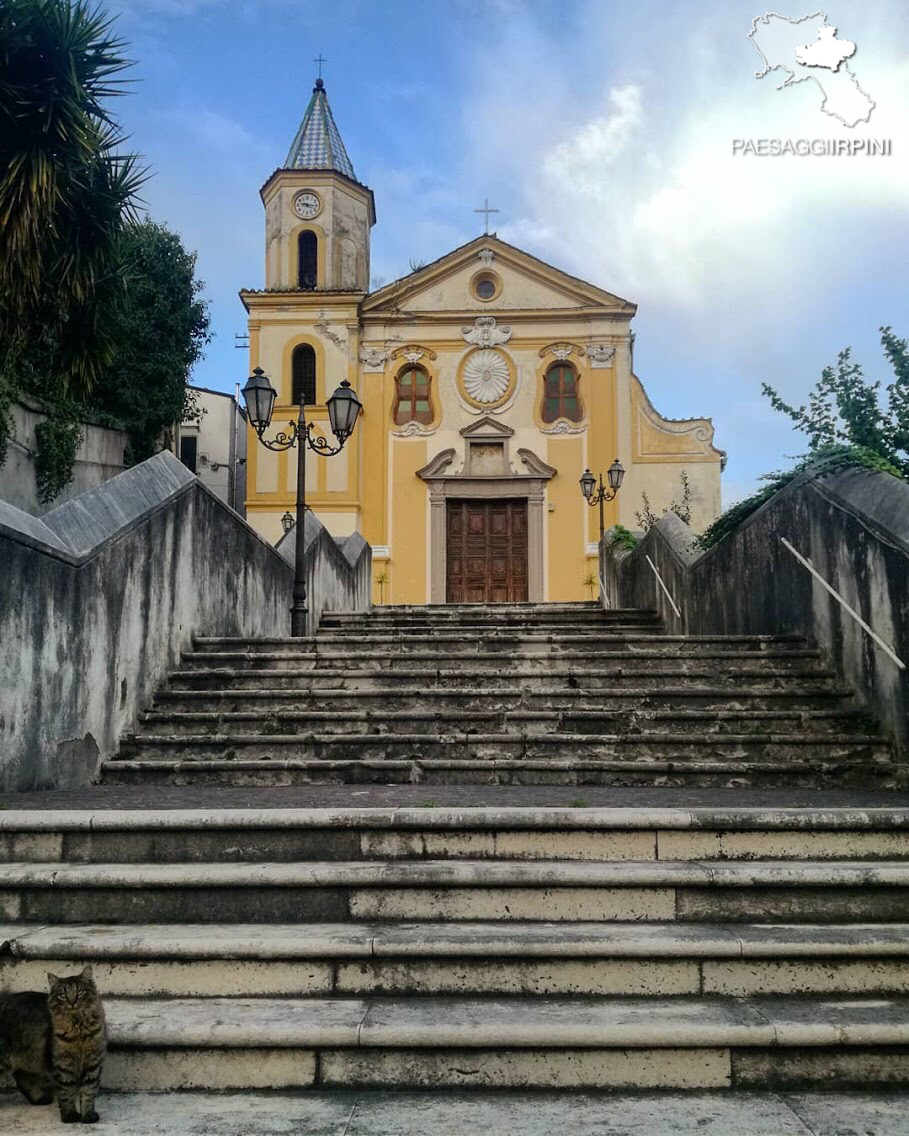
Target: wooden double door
[487,551]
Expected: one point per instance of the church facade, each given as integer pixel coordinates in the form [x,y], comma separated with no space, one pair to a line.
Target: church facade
[489,381]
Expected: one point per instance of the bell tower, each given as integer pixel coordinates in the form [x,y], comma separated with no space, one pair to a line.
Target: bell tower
[317,215]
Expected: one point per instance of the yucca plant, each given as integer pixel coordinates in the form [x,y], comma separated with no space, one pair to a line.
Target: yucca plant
[65,190]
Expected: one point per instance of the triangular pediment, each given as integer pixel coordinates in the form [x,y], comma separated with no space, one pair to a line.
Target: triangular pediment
[524,283]
[487,427]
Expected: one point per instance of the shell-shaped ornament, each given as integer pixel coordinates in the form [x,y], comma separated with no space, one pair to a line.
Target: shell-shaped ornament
[486,376]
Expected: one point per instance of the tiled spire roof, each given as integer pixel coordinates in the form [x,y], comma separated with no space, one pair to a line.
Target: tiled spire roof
[318,144]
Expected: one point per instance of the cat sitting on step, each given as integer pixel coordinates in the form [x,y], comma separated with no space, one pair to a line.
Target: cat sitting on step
[55,1043]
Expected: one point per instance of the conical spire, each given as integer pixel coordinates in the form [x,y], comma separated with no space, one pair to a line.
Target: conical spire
[318,144]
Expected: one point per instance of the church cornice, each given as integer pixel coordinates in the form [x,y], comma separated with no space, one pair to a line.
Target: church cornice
[396,293]
[275,299]
[505,315]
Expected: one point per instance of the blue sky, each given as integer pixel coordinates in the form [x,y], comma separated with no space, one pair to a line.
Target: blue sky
[603,132]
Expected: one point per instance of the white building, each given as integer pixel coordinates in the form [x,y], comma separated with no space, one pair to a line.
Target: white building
[212,443]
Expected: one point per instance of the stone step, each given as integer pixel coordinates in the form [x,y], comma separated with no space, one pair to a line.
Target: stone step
[434,1042]
[468,628]
[527,673]
[465,1112]
[715,774]
[610,638]
[539,959]
[519,891]
[631,642]
[625,649]
[535,611]
[619,645]
[341,720]
[465,629]
[468,657]
[688,699]
[508,744]
[175,835]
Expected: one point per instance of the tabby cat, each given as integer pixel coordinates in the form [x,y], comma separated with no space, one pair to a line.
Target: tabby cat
[77,1043]
[25,1042]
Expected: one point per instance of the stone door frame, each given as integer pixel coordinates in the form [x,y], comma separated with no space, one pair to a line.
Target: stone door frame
[442,486]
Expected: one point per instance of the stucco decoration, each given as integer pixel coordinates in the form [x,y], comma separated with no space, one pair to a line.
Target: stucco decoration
[436,466]
[413,353]
[563,426]
[561,351]
[600,356]
[486,376]
[413,429]
[535,465]
[486,256]
[486,333]
[373,358]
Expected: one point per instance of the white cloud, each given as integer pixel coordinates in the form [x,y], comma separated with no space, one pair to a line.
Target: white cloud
[644,195]
[607,140]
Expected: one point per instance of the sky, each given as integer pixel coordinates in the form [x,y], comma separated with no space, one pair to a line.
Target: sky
[603,132]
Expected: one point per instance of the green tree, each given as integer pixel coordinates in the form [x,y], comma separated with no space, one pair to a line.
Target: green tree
[845,408]
[159,328]
[64,189]
[99,314]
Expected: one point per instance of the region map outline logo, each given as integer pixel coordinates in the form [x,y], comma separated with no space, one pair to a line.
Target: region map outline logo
[817,56]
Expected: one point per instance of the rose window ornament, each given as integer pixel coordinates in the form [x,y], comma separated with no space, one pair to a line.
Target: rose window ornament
[486,376]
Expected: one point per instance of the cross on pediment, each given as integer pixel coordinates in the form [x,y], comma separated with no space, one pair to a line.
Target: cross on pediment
[486,209]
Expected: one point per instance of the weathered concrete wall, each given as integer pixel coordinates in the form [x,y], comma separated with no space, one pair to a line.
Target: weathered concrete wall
[854,528]
[100,457]
[338,570]
[99,597]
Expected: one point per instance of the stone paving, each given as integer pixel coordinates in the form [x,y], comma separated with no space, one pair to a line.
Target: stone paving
[463,1114]
[460,796]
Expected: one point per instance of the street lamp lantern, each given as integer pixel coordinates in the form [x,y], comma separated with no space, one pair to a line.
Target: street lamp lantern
[343,409]
[259,396]
[614,475]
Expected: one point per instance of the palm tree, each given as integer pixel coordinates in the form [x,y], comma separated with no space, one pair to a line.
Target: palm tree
[65,192]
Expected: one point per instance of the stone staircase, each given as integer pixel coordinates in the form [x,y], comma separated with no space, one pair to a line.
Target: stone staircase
[505,694]
[657,947]
[434,948]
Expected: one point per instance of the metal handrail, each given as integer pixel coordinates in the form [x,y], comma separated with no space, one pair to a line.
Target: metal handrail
[884,646]
[604,599]
[666,592]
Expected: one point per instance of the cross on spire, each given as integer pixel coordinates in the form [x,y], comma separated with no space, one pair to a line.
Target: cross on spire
[487,211]
[320,59]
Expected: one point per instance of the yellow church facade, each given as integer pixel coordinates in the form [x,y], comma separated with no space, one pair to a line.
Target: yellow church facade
[489,382]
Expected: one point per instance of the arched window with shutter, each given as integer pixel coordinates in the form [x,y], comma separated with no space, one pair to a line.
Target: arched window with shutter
[412,402]
[560,394]
[308,260]
[303,370]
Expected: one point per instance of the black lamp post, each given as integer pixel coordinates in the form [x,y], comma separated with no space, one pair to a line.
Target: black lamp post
[614,475]
[343,410]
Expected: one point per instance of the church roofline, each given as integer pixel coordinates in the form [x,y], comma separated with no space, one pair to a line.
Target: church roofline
[413,281]
[700,420]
